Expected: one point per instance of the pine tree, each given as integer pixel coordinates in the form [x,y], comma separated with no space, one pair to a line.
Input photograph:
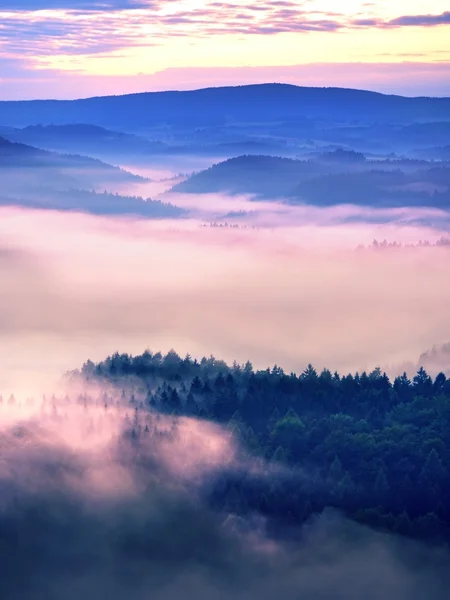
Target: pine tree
[335,473]
[174,402]
[381,487]
[433,473]
[345,488]
[191,406]
[280,455]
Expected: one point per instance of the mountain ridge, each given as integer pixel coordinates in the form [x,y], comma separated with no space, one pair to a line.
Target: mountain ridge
[217,104]
[234,87]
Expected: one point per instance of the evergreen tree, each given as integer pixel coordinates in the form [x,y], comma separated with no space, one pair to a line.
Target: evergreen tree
[335,472]
[381,487]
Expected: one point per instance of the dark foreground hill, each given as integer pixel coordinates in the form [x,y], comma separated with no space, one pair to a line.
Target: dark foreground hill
[250,103]
[110,490]
[377,450]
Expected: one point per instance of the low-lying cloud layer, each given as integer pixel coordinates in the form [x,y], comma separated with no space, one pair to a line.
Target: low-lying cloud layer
[77,287]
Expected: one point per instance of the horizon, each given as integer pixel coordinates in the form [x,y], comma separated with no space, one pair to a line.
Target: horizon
[219,87]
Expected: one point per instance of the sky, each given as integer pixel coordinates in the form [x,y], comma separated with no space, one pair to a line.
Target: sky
[77,48]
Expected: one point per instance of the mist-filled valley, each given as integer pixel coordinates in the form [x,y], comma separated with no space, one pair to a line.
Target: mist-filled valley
[225,346]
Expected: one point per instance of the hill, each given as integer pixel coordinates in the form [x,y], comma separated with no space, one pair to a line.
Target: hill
[36,178]
[250,103]
[37,165]
[338,177]
[83,138]
[352,434]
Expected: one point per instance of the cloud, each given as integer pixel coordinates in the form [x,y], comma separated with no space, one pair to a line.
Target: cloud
[437,359]
[419,223]
[104,28]
[404,21]
[79,5]
[420,20]
[78,287]
[97,518]
[62,34]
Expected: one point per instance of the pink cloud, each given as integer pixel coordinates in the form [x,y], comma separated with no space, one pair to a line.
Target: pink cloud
[86,287]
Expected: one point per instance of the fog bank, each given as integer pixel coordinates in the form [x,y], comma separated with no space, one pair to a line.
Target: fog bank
[78,287]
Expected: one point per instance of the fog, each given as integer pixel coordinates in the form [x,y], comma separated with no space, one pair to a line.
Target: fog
[77,286]
[162,173]
[87,511]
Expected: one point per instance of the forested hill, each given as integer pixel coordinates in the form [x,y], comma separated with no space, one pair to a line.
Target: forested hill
[255,103]
[339,177]
[17,156]
[85,139]
[376,449]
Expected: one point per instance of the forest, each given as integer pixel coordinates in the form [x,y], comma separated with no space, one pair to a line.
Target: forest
[375,449]
[326,179]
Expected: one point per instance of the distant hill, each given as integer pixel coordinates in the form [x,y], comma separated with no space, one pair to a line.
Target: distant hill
[36,178]
[12,153]
[437,153]
[83,138]
[265,176]
[67,170]
[116,146]
[339,177]
[389,136]
[250,103]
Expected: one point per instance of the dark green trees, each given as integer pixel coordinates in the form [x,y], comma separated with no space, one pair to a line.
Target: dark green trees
[377,450]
